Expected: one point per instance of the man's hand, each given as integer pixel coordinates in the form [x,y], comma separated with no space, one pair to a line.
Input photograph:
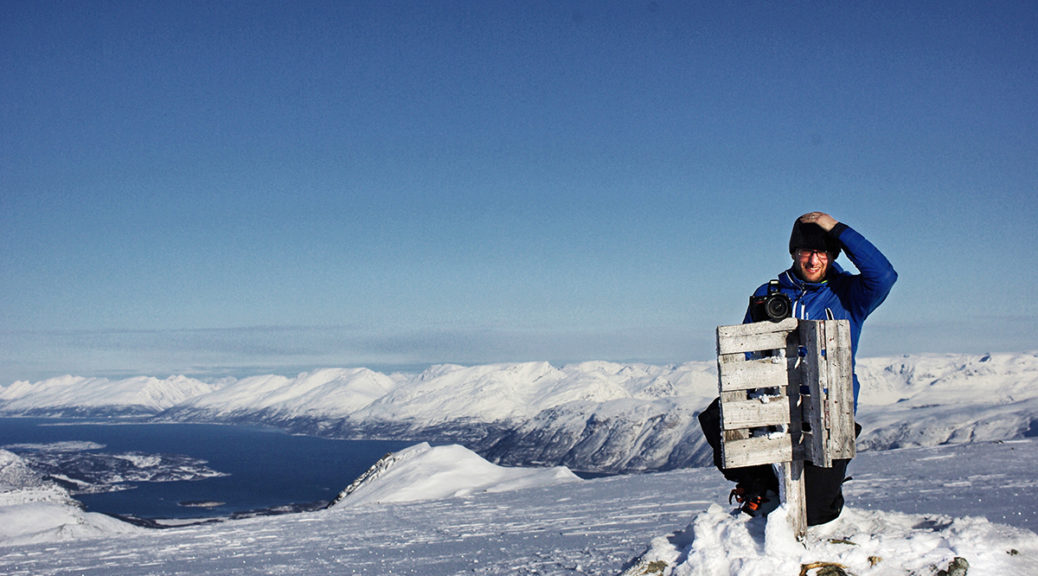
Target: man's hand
[824,220]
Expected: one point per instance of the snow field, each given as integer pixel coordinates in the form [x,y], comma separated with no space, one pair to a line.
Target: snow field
[480,520]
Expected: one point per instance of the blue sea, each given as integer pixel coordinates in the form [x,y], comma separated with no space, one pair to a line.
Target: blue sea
[264,468]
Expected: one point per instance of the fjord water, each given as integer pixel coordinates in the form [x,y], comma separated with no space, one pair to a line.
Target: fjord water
[264,468]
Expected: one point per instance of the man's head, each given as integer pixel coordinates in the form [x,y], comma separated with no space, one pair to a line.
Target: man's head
[812,250]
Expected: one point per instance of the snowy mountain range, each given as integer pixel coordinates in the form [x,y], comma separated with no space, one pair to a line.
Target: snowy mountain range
[592,416]
[945,484]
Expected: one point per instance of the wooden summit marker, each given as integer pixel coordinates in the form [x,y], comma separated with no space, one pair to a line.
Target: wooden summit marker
[786,393]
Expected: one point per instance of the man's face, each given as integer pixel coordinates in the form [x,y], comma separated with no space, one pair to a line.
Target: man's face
[811,265]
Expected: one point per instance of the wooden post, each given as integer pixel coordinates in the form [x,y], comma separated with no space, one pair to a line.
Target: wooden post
[792,494]
[761,369]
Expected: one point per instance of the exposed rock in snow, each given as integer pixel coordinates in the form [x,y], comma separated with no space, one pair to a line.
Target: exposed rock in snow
[15,474]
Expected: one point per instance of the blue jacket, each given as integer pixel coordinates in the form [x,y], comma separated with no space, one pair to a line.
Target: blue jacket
[845,295]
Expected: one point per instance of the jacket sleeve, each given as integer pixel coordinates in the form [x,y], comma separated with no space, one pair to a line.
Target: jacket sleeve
[866,291]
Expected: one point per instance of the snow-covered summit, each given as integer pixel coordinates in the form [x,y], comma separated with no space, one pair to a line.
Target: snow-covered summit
[424,472]
[71,394]
[327,393]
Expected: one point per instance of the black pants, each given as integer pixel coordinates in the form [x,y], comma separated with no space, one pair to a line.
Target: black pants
[823,487]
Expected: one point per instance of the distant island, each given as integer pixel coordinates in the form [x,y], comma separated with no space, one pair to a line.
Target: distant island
[200,504]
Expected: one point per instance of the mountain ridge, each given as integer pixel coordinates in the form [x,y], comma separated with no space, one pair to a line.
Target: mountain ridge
[594,416]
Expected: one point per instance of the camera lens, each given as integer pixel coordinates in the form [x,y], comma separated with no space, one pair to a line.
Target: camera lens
[777,307]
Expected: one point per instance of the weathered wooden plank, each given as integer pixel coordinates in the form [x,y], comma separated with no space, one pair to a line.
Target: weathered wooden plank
[828,372]
[791,492]
[722,361]
[795,403]
[737,373]
[756,328]
[840,389]
[755,412]
[813,369]
[754,337]
[736,434]
[757,450]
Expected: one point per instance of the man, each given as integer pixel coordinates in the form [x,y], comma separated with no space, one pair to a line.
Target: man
[819,289]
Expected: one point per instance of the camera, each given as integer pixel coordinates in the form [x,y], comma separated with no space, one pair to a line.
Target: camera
[774,305]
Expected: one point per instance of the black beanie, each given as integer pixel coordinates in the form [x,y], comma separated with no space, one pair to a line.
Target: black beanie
[813,237]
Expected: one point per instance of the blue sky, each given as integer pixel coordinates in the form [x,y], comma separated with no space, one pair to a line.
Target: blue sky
[240,187]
